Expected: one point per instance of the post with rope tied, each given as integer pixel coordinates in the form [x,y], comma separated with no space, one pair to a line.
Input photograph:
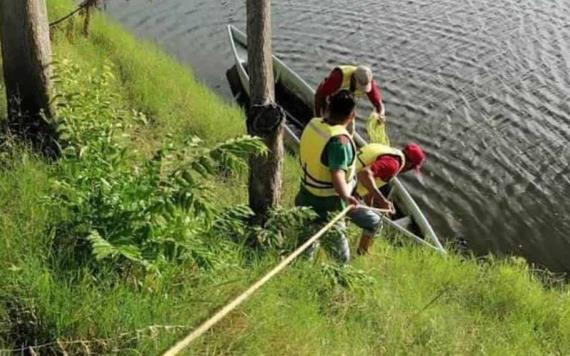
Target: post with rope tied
[264,118]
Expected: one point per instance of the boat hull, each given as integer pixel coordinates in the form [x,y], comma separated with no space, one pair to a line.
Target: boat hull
[289,86]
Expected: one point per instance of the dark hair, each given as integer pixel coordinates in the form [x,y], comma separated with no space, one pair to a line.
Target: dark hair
[341,105]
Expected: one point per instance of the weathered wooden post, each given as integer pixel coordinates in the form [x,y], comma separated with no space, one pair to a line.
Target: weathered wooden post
[265,118]
[26,55]
[88,7]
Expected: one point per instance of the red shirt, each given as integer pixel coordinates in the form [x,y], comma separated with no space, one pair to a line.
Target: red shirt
[385,167]
[333,82]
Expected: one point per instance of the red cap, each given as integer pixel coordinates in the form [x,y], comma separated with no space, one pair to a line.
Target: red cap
[414,155]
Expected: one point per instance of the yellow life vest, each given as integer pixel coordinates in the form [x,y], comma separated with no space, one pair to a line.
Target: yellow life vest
[347,72]
[369,154]
[316,176]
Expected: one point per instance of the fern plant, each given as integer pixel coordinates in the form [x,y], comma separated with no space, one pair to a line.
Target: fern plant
[285,228]
[128,212]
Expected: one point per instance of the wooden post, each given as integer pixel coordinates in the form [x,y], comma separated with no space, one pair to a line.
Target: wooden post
[88,7]
[264,118]
[26,54]
[86,20]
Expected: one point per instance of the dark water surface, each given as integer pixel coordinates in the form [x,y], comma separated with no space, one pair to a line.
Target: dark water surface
[483,85]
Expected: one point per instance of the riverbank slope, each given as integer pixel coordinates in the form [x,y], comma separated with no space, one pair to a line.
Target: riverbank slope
[401,299]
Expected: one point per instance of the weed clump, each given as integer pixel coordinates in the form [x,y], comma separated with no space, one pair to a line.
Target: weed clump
[139,233]
[156,210]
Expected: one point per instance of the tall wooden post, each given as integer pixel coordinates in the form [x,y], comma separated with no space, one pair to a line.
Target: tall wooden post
[26,54]
[265,119]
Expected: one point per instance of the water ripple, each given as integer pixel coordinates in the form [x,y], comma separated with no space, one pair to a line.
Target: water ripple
[482,85]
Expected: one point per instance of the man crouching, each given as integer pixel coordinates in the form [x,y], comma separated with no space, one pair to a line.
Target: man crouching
[327,157]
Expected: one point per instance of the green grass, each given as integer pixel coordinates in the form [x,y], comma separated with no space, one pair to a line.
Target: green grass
[400,300]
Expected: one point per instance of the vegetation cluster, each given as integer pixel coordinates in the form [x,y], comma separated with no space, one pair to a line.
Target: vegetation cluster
[139,232]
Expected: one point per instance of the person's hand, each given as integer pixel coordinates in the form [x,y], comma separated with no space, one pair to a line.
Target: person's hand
[350,200]
[379,116]
[385,204]
[392,208]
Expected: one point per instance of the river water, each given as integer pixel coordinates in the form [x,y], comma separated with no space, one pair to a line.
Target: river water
[483,86]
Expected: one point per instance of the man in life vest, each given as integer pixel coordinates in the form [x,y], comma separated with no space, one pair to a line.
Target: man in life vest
[356,79]
[376,165]
[327,155]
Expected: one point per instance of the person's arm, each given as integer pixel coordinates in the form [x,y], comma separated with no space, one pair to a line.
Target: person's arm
[320,103]
[375,98]
[327,87]
[339,157]
[341,188]
[366,177]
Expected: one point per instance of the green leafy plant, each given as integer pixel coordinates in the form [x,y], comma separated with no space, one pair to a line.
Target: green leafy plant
[232,223]
[152,212]
[285,228]
[347,276]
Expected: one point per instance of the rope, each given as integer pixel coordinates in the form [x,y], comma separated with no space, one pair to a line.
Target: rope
[182,344]
[153,329]
[84,4]
[264,119]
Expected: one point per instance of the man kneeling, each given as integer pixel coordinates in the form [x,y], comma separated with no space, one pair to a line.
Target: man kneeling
[376,166]
[327,157]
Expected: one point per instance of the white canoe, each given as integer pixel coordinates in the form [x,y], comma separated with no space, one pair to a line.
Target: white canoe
[296,96]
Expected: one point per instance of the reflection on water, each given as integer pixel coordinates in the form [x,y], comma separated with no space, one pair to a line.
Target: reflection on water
[482,85]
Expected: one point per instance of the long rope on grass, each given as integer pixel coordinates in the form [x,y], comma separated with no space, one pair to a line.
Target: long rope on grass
[182,344]
[126,337]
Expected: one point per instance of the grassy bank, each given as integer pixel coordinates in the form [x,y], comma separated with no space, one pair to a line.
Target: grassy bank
[399,300]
